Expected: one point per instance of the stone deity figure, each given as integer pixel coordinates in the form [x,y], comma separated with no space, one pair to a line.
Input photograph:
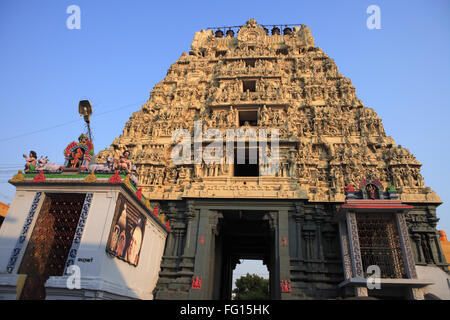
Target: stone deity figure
[292,165]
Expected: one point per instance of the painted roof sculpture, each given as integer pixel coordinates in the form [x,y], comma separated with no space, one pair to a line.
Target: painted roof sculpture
[78,170]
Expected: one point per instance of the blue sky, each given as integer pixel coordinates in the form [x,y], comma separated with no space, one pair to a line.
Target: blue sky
[125,47]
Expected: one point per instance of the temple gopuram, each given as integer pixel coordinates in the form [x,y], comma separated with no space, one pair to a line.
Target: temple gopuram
[345,195]
[343,212]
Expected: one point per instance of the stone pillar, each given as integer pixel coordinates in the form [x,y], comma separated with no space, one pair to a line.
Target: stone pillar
[275,280]
[282,241]
[175,283]
[204,255]
[355,253]
[309,235]
[187,263]
[298,236]
[345,249]
[433,240]
[211,246]
[180,247]
[408,257]
[417,246]
[320,255]
[440,251]
[176,240]
[219,269]
[170,244]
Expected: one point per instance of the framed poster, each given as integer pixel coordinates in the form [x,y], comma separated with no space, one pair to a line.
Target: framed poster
[127,232]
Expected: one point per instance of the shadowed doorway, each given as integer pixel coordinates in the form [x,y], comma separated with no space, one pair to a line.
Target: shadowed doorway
[50,242]
[242,235]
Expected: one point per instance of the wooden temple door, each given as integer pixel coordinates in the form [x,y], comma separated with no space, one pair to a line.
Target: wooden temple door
[50,242]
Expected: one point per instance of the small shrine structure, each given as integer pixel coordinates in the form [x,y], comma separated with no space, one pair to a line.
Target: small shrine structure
[80,231]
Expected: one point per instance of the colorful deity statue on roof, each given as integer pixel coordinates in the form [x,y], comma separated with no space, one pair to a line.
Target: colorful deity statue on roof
[31,161]
[79,154]
[125,163]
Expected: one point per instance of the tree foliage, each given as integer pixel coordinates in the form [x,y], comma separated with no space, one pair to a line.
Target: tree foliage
[252,287]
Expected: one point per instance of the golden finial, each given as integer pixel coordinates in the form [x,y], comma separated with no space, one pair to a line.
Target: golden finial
[90,178]
[147,204]
[127,181]
[18,177]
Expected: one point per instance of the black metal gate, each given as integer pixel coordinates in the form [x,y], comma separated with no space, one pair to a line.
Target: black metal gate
[50,242]
[380,244]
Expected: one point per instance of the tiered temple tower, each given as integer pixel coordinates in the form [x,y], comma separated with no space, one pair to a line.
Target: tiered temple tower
[252,77]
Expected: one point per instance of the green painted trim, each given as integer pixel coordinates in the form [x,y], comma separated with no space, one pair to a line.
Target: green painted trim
[84,175]
[72,176]
[79,176]
[122,185]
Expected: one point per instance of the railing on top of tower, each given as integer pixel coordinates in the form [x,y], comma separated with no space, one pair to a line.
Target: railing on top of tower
[276,29]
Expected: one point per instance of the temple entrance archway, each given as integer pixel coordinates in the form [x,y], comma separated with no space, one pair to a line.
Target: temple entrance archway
[242,235]
[211,235]
[221,232]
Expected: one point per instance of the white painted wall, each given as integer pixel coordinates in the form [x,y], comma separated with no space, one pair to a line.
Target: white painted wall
[12,226]
[105,275]
[142,278]
[441,286]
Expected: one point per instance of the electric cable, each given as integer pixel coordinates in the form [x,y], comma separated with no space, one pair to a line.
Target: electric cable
[69,122]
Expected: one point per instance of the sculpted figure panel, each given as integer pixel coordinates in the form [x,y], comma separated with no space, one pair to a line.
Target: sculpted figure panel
[330,139]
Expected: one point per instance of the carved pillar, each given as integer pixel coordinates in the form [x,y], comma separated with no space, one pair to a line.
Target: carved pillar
[211,246]
[309,231]
[170,244]
[426,249]
[192,217]
[275,282]
[176,240]
[298,218]
[180,247]
[441,256]
[282,241]
[345,249]
[417,247]
[298,228]
[408,257]
[204,255]
[319,241]
[355,252]
[329,236]
[432,239]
